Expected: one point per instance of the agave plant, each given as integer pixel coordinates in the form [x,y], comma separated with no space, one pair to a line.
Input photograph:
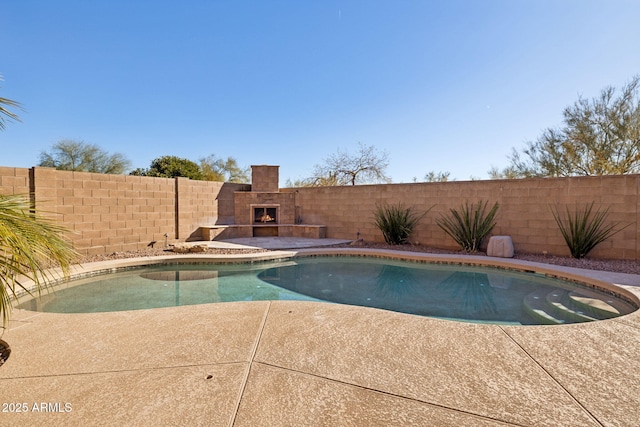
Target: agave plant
[584,229]
[469,225]
[396,222]
[30,244]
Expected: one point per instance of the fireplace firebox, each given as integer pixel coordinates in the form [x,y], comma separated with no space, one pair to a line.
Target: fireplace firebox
[265,214]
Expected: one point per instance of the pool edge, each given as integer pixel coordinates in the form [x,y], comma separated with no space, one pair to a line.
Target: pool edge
[629,293]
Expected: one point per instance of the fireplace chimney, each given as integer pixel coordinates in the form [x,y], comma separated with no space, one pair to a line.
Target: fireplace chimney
[264,178]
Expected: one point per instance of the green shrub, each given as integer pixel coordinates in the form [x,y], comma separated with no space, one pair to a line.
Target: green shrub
[396,222]
[469,225]
[584,229]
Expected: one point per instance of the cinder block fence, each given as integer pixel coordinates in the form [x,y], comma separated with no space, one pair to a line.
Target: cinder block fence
[524,213]
[111,213]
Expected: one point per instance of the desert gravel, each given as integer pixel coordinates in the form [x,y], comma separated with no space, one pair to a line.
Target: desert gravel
[619,266]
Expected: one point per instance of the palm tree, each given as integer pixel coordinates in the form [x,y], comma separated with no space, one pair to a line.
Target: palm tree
[30,246]
[30,243]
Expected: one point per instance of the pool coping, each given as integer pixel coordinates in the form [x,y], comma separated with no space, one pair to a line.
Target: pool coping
[340,364]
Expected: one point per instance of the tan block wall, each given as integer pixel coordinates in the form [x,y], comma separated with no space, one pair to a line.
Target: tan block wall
[14,181]
[113,213]
[108,213]
[204,203]
[524,212]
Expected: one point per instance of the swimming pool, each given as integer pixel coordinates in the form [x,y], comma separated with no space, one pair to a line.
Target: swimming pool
[457,292]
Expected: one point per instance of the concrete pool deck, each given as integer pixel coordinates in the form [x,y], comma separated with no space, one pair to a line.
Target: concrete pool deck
[288,363]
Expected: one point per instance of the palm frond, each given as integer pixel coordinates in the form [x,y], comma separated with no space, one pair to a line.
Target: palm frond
[30,246]
[5,114]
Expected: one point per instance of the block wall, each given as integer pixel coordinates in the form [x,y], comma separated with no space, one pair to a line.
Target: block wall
[524,214]
[113,213]
[108,213]
[202,203]
[14,181]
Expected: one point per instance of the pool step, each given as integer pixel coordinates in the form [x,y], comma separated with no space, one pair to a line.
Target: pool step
[536,305]
[593,303]
[560,306]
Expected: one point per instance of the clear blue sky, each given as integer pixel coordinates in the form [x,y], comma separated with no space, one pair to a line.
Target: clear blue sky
[448,85]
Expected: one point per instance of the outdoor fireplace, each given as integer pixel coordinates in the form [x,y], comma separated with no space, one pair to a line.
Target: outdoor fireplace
[265,211]
[265,215]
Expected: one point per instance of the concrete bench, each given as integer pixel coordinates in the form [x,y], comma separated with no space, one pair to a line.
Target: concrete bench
[232,231]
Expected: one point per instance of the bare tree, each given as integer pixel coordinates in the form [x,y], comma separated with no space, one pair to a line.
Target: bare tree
[342,168]
[432,176]
[506,173]
[79,156]
[600,136]
[217,169]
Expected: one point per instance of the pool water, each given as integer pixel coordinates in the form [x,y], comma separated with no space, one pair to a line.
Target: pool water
[457,292]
